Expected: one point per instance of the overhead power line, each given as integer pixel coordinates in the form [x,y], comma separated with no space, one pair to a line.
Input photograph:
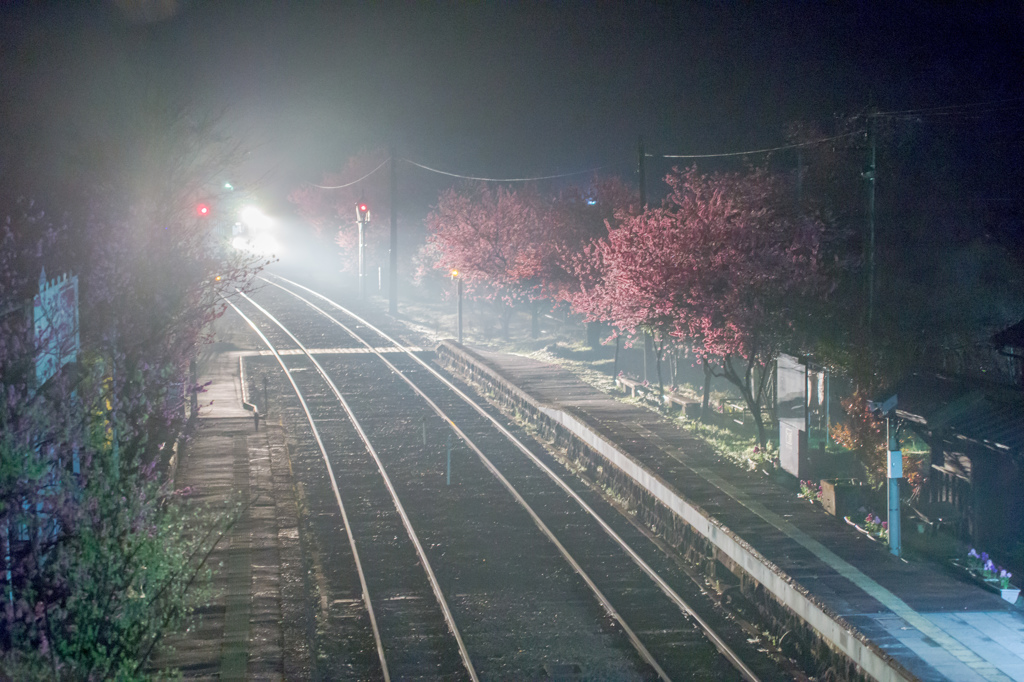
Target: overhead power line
[954,108]
[753,151]
[539,177]
[349,184]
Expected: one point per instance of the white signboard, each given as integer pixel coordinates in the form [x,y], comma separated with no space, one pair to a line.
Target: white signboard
[56,324]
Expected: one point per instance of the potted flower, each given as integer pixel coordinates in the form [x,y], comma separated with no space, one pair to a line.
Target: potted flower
[995,577]
[1006,590]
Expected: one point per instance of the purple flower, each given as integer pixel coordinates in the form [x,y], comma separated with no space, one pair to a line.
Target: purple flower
[973,554]
[885,525]
[984,556]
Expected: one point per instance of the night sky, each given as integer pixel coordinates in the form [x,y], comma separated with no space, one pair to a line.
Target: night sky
[493,89]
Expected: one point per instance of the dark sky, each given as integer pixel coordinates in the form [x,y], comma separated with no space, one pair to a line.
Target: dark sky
[497,89]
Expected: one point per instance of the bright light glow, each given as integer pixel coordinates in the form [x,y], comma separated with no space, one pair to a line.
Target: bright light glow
[264,244]
[454,273]
[228,186]
[203,209]
[260,244]
[255,218]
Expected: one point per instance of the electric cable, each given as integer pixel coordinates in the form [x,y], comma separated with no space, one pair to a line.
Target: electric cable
[951,108]
[349,184]
[753,151]
[539,177]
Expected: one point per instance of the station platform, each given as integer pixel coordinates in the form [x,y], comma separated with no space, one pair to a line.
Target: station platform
[248,630]
[895,619]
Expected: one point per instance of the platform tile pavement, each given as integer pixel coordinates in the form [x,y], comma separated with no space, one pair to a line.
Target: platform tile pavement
[940,628]
[249,631]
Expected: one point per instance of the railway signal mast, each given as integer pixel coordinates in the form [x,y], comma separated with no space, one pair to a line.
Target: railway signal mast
[362,218]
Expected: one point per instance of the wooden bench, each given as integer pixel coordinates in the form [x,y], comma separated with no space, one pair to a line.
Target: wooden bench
[737,412]
[634,386]
[687,405]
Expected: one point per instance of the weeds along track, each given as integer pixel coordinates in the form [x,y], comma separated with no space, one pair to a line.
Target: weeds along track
[490,567]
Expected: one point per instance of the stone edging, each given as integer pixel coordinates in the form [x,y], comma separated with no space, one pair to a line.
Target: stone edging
[867,656]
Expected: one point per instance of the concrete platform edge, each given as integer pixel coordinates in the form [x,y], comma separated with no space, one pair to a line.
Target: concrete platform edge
[859,649]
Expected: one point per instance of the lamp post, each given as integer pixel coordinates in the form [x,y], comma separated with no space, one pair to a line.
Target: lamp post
[458,286]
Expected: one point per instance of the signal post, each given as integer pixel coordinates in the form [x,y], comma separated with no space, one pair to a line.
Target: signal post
[362,218]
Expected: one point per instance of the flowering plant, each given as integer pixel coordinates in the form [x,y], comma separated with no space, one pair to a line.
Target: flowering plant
[810,490]
[876,526]
[983,565]
[976,561]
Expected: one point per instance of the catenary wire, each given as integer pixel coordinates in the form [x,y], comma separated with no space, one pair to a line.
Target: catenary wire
[754,151]
[950,107]
[349,184]
[539,177]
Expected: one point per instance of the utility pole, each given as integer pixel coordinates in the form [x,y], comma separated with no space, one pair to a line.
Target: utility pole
[393,265]
[870,176]
[894,466]
[799,178]
[641,170]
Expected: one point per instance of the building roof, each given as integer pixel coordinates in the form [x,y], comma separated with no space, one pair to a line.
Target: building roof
[1011,336]
[989,415]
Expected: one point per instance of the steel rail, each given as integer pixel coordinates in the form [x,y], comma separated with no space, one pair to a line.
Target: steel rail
[604,601]
[334,486]
[666,589]
[421,553]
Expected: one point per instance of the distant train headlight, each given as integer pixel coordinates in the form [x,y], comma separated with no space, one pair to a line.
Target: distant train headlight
[255,218]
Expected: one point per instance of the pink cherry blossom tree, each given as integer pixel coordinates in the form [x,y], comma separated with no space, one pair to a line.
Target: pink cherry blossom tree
[495,238]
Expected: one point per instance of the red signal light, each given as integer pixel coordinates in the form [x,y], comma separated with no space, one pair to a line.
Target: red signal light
[364,208]
[363,212]
[203,210]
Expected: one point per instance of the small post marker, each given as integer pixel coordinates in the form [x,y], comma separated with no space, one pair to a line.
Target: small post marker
[423,423]
[448,479]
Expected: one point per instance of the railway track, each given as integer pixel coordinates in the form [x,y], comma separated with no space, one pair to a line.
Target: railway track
[492,566]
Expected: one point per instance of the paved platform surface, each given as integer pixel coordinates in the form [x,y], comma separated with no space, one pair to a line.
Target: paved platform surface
[938,627]
[249,631]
